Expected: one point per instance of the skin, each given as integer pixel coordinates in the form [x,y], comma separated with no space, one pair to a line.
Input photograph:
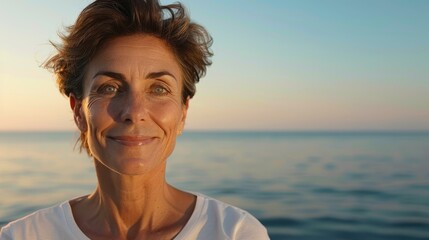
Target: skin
[132,112]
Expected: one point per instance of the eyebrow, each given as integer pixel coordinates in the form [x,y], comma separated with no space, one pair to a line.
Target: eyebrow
[121,77]
[160,74]
[114,75]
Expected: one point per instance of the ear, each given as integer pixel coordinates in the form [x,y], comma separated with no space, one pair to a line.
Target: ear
[184,114]
[79,117]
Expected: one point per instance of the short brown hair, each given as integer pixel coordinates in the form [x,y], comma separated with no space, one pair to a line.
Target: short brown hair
[103,20]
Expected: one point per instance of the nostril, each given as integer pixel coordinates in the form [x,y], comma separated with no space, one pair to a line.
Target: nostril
[129,119]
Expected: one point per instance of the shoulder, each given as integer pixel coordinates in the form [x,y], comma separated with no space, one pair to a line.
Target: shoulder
[217,209]
[240,223]
[212,217]
[46,223]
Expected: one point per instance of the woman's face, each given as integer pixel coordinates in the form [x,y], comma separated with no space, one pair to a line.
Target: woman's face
[131,108]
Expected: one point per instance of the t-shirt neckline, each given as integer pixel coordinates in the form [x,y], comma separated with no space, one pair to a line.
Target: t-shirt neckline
[76,231]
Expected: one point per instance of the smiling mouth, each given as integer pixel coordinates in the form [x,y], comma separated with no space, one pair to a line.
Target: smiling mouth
[132,140]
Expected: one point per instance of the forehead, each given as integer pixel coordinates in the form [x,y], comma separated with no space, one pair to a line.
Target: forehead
[136,53]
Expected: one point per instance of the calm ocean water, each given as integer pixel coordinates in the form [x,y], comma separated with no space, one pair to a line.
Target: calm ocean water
[301,185]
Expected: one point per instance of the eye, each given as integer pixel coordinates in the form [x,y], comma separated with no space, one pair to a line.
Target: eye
[159,90]
[108,89]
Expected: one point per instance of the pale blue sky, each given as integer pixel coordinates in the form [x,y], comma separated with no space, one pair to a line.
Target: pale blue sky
[278,65]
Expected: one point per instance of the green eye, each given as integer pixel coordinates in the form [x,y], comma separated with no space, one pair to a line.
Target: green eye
[159,90]
[107,89]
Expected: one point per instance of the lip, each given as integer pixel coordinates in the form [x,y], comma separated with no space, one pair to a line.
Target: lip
[132,140]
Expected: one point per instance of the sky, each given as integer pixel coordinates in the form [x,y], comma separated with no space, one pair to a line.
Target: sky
[278,65]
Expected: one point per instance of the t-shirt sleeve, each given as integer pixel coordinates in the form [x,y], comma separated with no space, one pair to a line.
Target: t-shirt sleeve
[4,235]
[251,228]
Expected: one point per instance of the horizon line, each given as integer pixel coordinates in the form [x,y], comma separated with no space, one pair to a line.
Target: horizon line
[248,131]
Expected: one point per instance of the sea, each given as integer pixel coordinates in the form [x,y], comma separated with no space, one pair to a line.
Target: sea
[300,185]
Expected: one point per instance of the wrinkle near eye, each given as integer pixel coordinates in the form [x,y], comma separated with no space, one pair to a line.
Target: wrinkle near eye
[93,99]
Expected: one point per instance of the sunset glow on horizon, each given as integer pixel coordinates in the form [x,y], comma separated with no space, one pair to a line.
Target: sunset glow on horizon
[278,65]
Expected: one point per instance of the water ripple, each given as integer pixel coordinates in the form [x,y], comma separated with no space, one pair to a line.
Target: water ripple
[281,222]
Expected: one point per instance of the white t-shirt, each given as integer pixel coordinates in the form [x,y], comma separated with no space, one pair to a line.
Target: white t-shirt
[211,219]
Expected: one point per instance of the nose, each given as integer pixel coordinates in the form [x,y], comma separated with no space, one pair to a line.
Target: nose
[134,108]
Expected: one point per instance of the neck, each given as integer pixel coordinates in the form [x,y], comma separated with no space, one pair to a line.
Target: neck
[127,205]
[126,197]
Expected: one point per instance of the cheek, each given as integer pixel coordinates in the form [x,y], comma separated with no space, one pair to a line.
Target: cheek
[97,114]
[167,116]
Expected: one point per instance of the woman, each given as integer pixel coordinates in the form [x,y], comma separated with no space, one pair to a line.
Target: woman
[129,69]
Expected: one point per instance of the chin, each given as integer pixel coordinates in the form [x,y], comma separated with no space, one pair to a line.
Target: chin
[130,166]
